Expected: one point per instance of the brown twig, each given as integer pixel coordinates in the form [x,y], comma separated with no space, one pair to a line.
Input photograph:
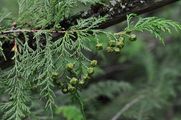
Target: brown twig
[117,13]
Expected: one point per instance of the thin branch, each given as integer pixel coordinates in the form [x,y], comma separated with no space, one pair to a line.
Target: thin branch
[115,13]
[126,107]
[30,31]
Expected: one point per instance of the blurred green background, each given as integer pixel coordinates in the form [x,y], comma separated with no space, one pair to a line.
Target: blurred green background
[143,83]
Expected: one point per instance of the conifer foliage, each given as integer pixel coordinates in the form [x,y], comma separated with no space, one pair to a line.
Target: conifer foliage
[45,55]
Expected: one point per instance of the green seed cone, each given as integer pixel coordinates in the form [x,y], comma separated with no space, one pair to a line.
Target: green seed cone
[117,50]
[93,63]
[99,46]
[71,88]
[81,83]
[65,90]
[120,44]
[86,77]
[109,49]
[73,81]
[132,37]
[90,70]
[70,66]
[112,43]
[54,75]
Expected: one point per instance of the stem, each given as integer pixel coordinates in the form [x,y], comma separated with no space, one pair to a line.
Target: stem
[126,107]
[78,97]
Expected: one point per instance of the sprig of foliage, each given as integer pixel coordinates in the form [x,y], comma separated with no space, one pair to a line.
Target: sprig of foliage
[154,25]
[18,88]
